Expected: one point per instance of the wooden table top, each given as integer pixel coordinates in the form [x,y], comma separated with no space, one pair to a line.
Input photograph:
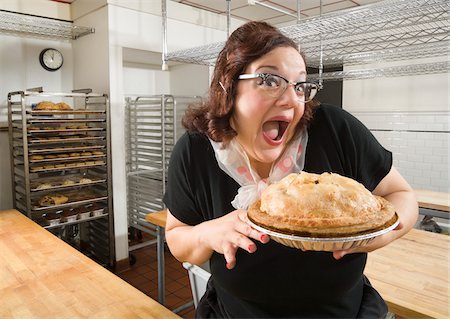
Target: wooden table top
[43,277]
[433,200]
[157,218]
[412,273]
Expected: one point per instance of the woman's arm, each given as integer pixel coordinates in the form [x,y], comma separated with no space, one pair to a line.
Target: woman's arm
[395,189]
[195,244]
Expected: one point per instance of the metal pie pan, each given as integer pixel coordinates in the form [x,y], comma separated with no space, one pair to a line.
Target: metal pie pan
[324,244]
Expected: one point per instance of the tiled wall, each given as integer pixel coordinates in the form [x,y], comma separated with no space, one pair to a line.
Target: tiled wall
[420,143]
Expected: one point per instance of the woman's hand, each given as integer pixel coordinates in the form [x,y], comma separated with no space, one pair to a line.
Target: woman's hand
[395,189]
[375,244]
[230,232]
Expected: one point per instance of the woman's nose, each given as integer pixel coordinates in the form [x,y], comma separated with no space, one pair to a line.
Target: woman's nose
[289,98]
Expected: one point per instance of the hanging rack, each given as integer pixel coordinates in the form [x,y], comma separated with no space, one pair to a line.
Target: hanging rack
[389,30]
[19,24]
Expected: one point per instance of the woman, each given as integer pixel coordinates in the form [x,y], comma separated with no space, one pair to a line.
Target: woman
[260,108]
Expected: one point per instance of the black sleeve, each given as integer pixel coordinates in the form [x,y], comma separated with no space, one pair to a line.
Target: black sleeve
[372,162]
[179,197]
[340,143]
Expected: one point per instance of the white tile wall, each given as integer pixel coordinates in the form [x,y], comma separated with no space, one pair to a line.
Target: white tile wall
[420,143]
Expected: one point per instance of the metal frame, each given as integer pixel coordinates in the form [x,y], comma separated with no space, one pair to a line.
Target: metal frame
[34,26]
[152,128]
[389,30]
[87,107]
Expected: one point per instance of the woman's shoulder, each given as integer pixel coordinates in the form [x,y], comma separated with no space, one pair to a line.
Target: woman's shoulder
[193,139]
[331,110]
[191,145]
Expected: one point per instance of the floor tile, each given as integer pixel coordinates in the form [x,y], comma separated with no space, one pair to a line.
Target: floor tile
[143,275]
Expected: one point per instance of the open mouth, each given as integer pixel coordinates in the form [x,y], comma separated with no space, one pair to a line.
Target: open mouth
[274,130]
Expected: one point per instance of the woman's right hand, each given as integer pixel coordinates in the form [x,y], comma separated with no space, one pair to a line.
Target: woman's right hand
[228,233]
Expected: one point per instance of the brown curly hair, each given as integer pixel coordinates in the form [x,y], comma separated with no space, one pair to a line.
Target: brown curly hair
[245,45]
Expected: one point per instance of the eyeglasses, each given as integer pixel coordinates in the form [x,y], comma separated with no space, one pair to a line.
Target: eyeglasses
[276,85]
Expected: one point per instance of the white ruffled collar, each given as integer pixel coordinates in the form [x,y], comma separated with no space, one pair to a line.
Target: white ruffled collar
[234,161]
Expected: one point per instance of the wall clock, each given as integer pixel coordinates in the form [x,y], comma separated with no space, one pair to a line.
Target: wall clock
[51,59]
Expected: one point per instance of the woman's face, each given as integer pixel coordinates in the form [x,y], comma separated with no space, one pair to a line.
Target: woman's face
[265,124]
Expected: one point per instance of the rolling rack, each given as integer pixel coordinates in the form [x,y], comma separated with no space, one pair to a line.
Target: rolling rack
[61,166]
[152,129]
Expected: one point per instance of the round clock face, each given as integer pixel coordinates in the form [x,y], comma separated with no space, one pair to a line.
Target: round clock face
[51,59]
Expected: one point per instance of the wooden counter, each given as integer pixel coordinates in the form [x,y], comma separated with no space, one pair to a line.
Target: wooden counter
[433,200]
[412,274]
[43,277]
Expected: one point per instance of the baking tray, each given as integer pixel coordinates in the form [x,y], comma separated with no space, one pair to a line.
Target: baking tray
[63,159]
[81,165]
[69,149]
[66,140]
[324,244]
[75,198]
[60,112]
[57,182]
[62,121]
[67,130]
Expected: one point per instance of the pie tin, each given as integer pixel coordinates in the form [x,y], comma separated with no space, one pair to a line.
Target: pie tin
[324,244]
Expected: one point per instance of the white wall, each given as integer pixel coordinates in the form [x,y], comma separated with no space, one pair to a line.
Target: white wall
[144,79]
[20,69]
[410,116]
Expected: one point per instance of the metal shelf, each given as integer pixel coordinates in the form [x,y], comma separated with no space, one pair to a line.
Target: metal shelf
[389,30]
[33,26]
[405,70]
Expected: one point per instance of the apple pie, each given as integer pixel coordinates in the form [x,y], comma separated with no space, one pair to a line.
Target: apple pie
[325,206]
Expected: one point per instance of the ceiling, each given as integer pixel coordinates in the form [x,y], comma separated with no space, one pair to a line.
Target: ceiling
[243,9]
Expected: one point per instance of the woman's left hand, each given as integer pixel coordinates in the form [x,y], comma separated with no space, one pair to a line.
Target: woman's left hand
[395,189]
[375,244]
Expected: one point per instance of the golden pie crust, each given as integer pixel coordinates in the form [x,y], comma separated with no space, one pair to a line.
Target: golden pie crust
[326,205]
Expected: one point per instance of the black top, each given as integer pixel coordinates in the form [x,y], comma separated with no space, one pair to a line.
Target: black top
[278,281]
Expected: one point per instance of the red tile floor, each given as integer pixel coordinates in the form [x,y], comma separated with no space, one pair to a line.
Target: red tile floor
[143,275]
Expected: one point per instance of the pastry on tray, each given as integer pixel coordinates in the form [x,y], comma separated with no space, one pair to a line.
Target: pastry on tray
[45,106]
[85,180]
[325,206]
[68,182]
[62,106]
[44,186]
[53,200]
[52,218]
[36,157]
[69,215]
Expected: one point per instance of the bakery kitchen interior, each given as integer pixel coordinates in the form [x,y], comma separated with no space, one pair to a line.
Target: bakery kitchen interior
[92,94]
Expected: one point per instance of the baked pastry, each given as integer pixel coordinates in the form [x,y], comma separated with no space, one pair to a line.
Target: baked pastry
[327,205]
[52,218]
[44,186]
[68,182]
[85,180]
[69,215]
[62,106]
[97,153]
[45,105]
[36,157]
[53,199]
